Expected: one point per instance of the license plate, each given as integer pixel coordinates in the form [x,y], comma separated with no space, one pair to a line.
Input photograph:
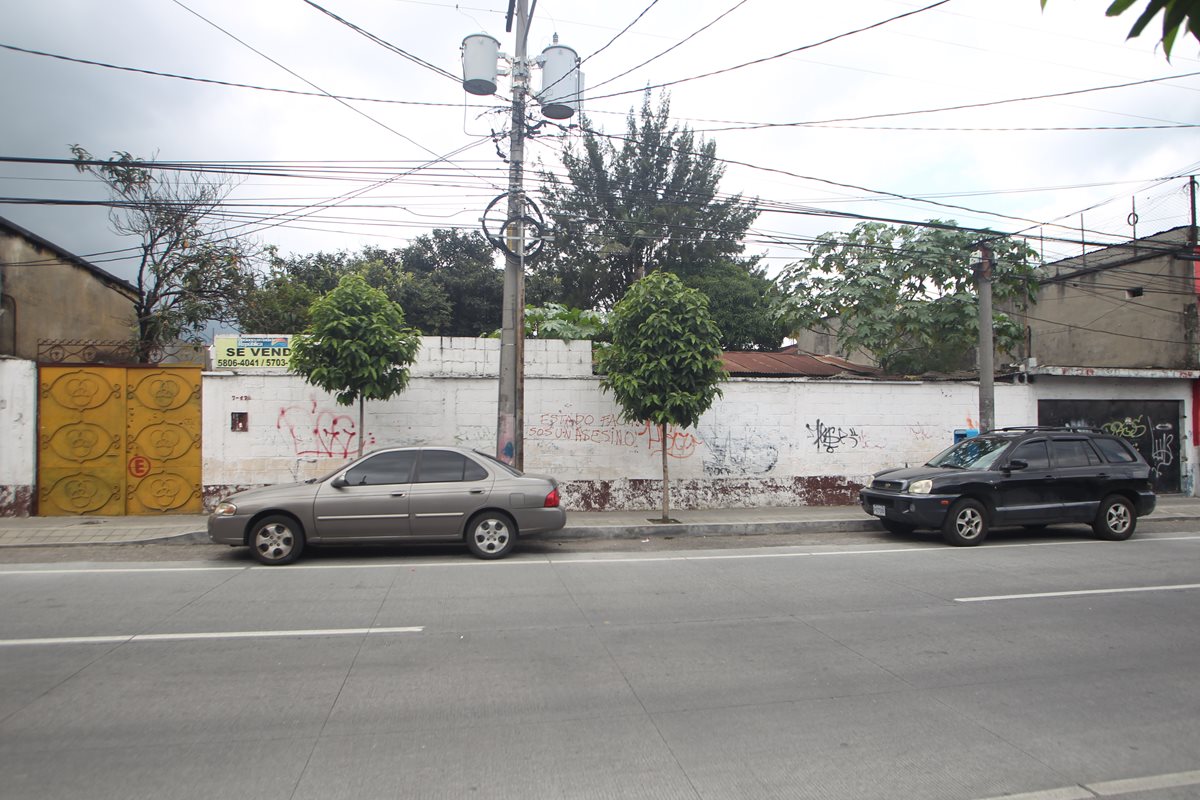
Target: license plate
[878,511]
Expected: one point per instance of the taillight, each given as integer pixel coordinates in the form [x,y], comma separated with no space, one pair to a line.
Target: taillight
[552,499]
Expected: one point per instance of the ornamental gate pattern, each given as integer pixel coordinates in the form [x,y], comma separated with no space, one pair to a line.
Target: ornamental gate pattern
[119,440]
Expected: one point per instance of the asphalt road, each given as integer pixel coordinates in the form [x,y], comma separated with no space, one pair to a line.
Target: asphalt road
[839,666]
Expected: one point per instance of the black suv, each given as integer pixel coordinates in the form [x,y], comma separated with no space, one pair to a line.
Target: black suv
[1017,476]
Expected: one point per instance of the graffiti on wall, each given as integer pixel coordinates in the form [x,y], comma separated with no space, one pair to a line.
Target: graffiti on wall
[317,431]
[1127,428]
[830,439]
[1162,455]
[607,430]
[1162,439]
[744,452]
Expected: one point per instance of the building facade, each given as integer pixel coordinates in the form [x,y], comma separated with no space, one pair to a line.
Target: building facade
[48,294]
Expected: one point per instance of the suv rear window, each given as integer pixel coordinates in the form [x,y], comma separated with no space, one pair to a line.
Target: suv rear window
[1074,453]
[1115,450]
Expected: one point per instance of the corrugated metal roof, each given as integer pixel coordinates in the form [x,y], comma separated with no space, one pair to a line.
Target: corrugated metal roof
[791,364]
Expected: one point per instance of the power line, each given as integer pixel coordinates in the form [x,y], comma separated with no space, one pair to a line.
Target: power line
[385,44]
[678,44]
[620,33]
[961,107]
[358,111]
[765,59]
[232,84]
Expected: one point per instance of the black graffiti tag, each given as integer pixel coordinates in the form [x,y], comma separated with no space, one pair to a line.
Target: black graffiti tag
[830,439]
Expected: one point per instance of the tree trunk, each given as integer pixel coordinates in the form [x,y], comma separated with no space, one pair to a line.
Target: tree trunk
[361,436]
[666,497]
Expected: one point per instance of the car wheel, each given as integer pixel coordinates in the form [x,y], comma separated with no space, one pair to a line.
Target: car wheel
[1116,519]
[900,528]
[966,524]
[276,540]
[491,534]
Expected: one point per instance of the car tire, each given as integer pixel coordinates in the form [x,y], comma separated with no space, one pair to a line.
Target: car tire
[899,528]
[1116,519]
[966,525]
[491,534]
[276,540]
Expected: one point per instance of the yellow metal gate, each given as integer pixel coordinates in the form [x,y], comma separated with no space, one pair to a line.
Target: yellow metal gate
[119,440]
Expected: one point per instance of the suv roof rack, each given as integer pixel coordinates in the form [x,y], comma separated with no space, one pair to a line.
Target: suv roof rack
[1034,428]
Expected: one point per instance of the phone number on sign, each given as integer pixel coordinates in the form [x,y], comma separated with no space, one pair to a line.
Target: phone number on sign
[251,362]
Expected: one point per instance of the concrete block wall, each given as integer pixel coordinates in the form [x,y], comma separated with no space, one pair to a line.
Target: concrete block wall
[18,442]
[765,442]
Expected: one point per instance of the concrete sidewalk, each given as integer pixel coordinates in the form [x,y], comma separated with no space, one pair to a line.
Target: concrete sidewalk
[191,529]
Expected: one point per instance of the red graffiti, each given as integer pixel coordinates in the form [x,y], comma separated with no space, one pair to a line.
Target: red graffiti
[320,432]
[680,444]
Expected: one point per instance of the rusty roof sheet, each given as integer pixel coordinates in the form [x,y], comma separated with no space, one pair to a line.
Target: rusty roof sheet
[792,364]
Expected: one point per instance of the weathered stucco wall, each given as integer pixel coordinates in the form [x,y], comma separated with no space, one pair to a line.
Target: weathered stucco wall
[18,436]
[765,442]
[57,299]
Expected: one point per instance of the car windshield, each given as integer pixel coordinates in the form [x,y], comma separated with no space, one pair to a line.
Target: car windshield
[978,452]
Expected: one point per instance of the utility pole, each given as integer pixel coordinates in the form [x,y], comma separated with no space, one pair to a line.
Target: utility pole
[987,389]
[560,99]
[510,418]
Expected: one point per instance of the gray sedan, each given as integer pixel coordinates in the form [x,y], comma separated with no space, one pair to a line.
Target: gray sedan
[403,494]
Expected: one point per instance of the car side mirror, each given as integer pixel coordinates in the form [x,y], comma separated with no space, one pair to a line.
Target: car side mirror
[339,482]
[1017,464]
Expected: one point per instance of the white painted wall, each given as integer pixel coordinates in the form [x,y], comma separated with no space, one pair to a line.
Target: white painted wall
[18,443]
[765,442]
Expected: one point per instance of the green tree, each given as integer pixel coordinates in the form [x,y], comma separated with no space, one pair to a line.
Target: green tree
[463,266]
[556,321]
[664,363]
[447,284]
[189,270]
[1178,15]
[905,294]
[646,201]
[356,346]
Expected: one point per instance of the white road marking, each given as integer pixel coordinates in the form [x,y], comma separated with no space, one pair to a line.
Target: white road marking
[1150,782]
[115,570]
[185,637]
[1065,793]
[1114,788]
[527,561]
[1078,593]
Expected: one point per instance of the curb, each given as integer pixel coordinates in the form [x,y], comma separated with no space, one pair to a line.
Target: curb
[611,532]
[707,529]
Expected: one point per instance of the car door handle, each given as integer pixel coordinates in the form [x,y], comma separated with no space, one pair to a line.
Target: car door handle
[477,491]
[398,494]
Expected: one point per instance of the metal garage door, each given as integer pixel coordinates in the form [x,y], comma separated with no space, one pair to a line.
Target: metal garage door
[119,440]
[1151,426]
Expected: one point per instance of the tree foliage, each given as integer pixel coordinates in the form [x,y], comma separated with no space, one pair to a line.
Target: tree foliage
[905,294]
[446,282]
[646,201]
[356,346]
[664,362]
[1178,15]
[556,321]
[189,269]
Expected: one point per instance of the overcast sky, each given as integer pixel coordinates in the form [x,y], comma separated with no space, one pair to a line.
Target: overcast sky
[998,158]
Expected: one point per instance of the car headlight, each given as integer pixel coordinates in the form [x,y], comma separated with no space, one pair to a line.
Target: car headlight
[225,509]
[920,487]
